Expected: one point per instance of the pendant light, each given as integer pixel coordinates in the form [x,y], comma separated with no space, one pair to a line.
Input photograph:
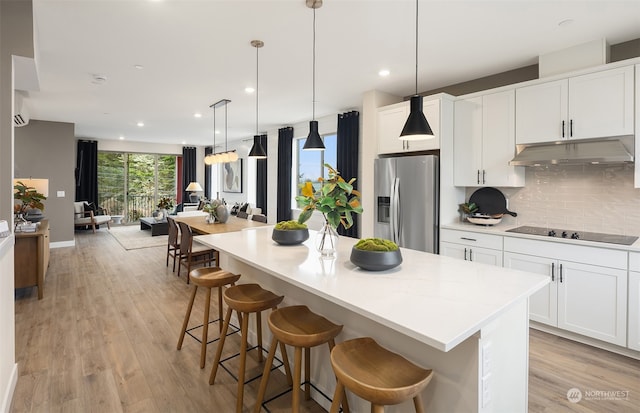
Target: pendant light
[416,127]
[257,151]
[227,155]
[314,141]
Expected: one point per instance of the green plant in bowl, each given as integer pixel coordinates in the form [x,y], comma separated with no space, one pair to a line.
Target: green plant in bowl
[376,254]
[290,233]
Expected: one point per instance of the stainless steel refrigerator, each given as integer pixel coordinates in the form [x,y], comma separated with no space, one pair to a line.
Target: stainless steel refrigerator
[406,197]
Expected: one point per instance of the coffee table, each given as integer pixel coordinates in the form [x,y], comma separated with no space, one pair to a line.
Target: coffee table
[156,227]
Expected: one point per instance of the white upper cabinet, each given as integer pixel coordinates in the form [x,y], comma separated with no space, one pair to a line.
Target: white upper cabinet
[484,141]
[391,120]
[593,105]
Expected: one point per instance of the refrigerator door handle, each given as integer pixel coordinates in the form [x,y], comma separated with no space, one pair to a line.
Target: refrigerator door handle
[394,211]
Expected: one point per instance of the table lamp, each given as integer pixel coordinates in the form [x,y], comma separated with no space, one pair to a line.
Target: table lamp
[193,187]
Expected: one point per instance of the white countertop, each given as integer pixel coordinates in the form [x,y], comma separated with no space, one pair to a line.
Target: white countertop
[437,300]
[501,229]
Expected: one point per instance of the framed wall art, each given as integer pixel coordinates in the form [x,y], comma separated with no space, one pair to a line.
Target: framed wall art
[232,176]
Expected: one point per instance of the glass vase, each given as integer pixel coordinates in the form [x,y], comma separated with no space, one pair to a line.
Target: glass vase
[327,241]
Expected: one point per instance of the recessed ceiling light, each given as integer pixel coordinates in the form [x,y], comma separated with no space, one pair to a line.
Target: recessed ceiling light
[121,138]
[139,67]
[197,115]
[565,23]
[98,79]
[249,89]
[184,142]
[141,124]
[384,73]
[217,132]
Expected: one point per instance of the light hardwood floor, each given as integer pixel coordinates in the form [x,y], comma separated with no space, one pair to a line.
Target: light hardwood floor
[104,338]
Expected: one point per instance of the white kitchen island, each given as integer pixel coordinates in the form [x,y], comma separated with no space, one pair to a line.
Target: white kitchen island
[467,321]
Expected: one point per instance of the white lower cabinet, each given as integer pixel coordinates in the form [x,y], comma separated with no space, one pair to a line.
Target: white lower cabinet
[633,340]
[471,246]
[582,297]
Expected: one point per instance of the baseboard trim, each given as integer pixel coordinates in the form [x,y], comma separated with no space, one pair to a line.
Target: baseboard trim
[63,244]
[586,340]
[11,387]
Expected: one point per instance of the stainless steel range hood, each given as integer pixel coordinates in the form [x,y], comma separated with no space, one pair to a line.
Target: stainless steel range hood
[601,151]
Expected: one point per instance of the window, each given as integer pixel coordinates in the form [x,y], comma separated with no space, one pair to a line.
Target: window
[309,165]
[131,184]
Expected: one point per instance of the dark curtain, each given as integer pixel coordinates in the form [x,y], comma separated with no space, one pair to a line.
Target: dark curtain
[208,150]
[261,178]
[87,171]
[285,142]
[188,169]
[347,157]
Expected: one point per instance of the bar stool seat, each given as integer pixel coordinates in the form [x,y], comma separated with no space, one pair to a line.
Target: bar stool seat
[209,278]
[246,299]
[377,375]
[299,327]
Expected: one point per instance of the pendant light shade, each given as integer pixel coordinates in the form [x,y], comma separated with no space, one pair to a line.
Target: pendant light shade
[416,127]
[257,151]
[314,141]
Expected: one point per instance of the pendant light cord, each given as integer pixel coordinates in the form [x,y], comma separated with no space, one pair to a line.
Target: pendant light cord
[416,47]
[214,130]
[225,128]
[314,67]
[257,71]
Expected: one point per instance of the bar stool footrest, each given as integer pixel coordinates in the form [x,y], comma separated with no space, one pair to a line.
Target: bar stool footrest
[289,390]
[276,365]
[235,329]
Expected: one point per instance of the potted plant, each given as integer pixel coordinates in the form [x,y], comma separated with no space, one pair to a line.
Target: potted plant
[164,204]
[376,254]
[336,200]
[290,232]
[29,199]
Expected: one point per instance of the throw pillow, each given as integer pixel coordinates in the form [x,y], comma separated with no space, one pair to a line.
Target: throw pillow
[89,206]
[243,207]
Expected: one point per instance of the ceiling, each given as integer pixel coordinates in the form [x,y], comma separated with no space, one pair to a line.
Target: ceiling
[194,53]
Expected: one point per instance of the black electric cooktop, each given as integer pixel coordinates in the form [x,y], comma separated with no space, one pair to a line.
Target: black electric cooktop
[577,235]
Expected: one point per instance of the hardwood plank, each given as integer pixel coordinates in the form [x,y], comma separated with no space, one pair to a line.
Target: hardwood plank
[104,338]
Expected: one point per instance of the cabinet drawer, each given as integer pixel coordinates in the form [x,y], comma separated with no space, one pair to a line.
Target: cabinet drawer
[473,239]
[576,253]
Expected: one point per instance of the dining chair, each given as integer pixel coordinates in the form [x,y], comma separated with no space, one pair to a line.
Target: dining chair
[242,214]
[259,218]
[193,253]
[173,243]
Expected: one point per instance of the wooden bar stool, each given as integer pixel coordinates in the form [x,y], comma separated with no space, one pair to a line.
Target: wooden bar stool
[246,299]
[377,375]
[299,327]
[210,277]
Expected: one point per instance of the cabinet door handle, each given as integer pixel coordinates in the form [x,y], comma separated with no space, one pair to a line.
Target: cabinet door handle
[470,254]
[478,179]
[571,128]
[484,173]
[553,270]
[468,239]
[465,254]
[563,128]
[560,272]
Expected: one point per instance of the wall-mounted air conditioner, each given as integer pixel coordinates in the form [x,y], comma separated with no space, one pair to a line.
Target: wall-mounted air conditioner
[21,115]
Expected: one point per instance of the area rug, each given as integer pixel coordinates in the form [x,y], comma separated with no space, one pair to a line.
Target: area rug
[131,237]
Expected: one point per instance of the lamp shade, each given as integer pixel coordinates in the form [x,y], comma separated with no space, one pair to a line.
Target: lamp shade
[416,127]
[314,141]
[257,151]
[194,187]
[40,185]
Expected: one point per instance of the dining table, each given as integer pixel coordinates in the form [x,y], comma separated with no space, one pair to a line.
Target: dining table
[199,224]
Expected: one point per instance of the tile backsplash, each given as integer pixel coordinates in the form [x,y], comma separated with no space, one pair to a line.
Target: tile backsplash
[594,198]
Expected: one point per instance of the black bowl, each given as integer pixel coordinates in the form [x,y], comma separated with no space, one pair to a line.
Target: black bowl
[376,260]
[290,236]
